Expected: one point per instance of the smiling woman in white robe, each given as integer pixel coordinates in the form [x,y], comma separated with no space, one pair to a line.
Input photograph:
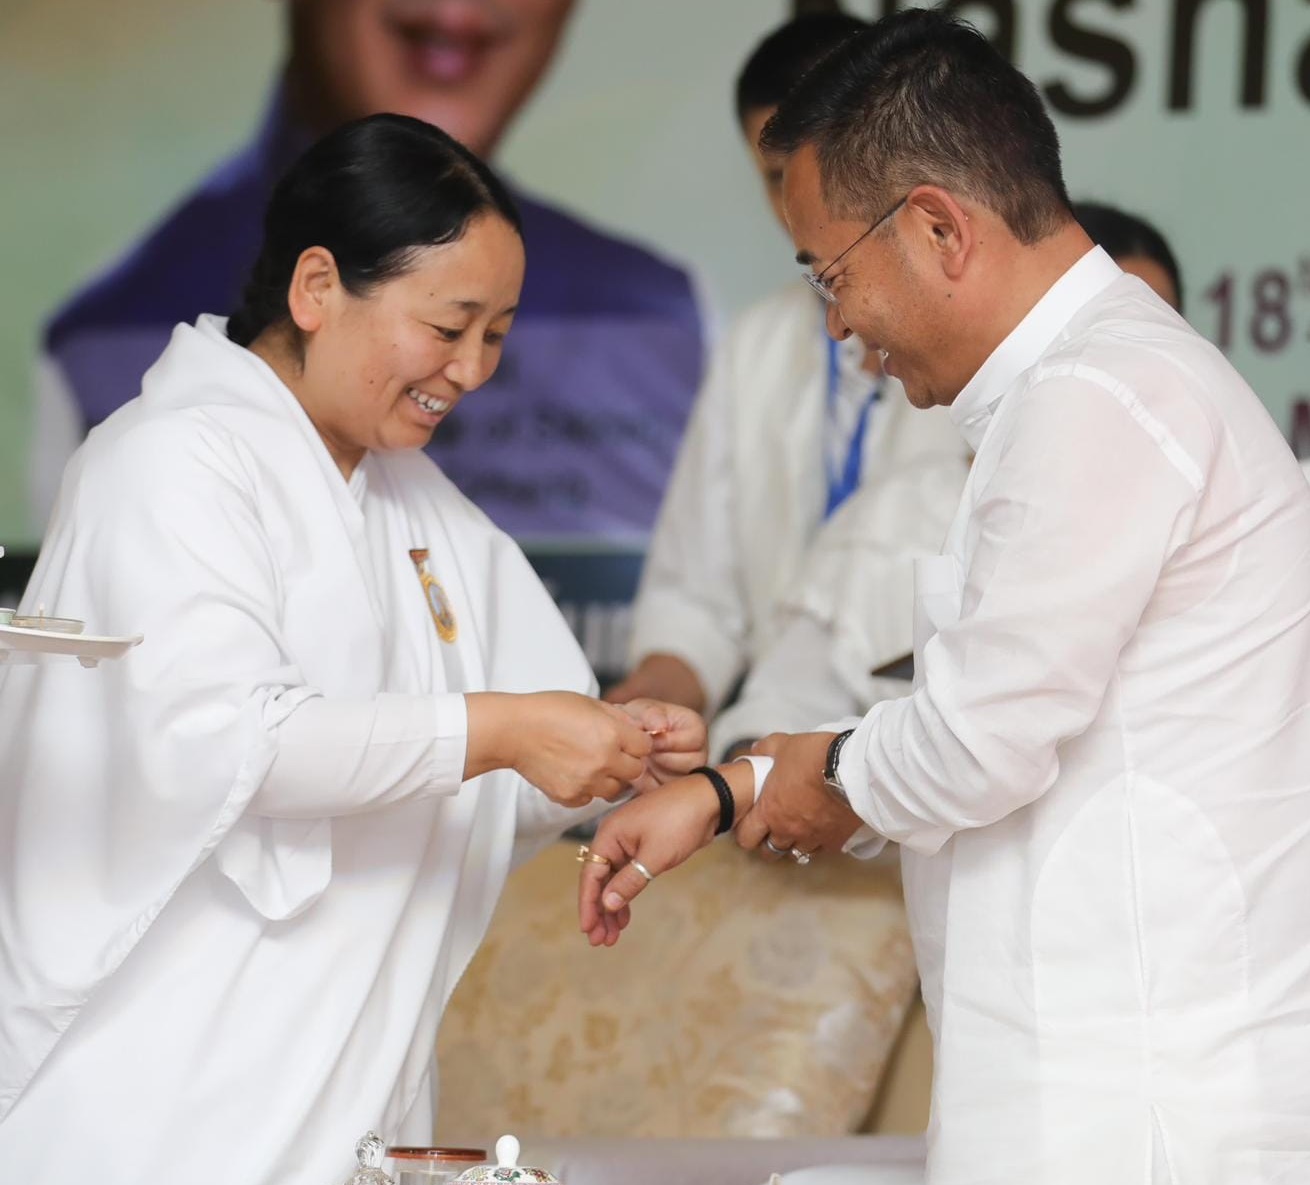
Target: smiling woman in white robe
[242,869]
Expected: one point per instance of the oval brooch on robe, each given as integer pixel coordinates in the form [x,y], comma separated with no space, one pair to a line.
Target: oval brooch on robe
[443,617]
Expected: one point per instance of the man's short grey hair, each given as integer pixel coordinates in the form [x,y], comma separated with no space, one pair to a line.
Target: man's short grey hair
[923,99]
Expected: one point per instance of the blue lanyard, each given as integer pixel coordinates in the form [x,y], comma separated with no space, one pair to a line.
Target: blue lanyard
[841,485]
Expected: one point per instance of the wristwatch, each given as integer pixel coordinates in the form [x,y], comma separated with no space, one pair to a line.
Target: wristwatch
[831,776]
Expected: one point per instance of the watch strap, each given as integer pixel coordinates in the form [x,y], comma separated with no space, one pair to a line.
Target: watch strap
[831,765]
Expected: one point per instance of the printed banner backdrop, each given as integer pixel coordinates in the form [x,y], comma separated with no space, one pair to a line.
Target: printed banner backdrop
[1195,113]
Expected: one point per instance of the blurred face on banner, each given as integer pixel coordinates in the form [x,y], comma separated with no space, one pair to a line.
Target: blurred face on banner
[464,65]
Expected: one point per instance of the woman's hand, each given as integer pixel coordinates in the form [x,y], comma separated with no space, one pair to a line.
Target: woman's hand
[659,830]
[679,740]
[571,747]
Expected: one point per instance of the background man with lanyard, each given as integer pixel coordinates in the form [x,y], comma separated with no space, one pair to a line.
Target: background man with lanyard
[786,427]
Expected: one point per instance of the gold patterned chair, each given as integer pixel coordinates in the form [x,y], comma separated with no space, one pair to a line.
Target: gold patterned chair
[746,1000]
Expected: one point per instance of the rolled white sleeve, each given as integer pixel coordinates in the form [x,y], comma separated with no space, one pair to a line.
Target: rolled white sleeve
[691,599]
[1072,529]
[340,757]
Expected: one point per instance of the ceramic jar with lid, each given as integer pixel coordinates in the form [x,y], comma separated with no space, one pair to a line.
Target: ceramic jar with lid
[506,1169]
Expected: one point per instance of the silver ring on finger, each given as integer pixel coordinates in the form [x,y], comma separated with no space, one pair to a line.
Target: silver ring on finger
[777,851]
[641,868]
[801,858]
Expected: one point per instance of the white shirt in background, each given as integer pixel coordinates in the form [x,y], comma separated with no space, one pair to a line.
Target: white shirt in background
[748,494]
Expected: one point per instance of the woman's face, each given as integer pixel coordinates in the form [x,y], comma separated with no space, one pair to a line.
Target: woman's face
[382,370]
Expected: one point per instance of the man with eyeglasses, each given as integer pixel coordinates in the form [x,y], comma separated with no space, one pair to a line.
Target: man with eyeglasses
[1101,783]
[791,432]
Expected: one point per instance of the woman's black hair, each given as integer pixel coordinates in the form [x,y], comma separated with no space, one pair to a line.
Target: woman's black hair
[373,193]
[1122,235]
[787,54]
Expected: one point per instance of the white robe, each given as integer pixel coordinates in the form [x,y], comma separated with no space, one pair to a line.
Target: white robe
[1102,784]
[240,874]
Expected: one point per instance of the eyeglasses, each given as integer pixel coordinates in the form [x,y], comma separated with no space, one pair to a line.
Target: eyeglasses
[821,285]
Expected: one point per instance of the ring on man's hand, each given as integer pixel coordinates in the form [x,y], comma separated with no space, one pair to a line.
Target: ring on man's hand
[641,868]
[801,858]
[777,851]
[587,856]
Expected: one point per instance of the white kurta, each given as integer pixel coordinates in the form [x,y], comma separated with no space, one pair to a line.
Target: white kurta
[241,876]
[1102,783]
[746,500]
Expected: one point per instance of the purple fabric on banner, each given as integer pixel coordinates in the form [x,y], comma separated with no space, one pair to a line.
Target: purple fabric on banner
[576,434]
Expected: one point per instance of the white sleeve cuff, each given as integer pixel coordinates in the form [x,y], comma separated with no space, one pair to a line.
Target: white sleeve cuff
[450,743]
[865,844]
[853,770]
[762,767]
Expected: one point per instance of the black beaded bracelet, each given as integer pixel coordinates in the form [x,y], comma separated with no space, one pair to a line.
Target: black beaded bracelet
[727,807]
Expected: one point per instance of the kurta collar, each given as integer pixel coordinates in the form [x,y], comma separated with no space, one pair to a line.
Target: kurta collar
[348,493]
[973,407]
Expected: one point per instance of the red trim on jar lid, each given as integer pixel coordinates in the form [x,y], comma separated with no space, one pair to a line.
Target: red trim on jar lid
[462,1155]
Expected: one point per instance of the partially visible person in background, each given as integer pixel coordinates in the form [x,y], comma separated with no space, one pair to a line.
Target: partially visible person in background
[843,632]
[789,425]
[576,434]
[1136,246]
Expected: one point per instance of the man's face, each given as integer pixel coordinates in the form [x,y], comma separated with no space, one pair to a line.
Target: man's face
[464,65]
[880,297]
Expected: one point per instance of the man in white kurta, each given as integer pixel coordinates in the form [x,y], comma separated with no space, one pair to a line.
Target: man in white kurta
[249,838]
[1102,784]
